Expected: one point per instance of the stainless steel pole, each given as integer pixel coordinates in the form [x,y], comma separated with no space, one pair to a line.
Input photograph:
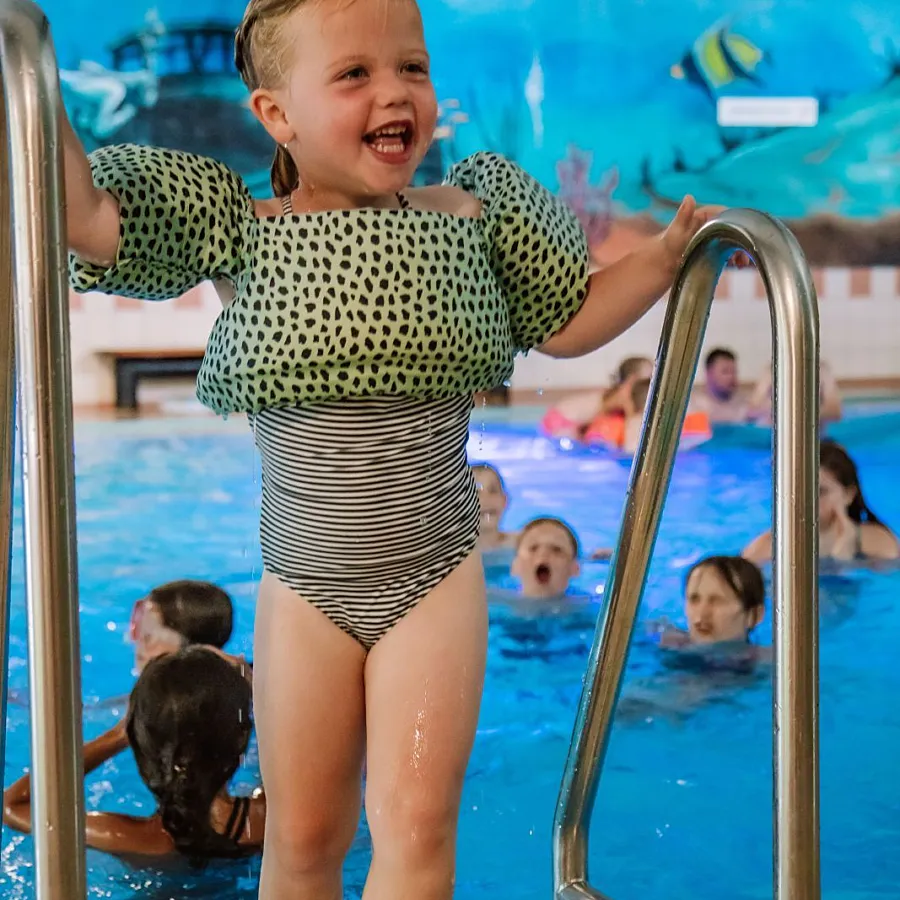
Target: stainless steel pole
[795,329]
[7,425]
[31,88]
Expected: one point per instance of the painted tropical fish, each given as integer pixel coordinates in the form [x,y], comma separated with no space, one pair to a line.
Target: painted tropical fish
[718,59]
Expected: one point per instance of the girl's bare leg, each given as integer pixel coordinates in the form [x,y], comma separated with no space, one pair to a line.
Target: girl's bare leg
[423,684]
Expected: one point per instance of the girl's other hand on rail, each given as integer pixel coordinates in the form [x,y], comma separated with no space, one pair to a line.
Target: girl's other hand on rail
[689,219]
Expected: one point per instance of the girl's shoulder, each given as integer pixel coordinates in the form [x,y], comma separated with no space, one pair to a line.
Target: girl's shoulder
[448,199]
[878,541]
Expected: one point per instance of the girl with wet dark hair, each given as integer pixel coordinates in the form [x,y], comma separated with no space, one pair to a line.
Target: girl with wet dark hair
[188,724]
[848,529]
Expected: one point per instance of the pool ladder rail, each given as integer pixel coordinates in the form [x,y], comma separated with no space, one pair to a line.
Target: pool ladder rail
[795,328]
[34,340]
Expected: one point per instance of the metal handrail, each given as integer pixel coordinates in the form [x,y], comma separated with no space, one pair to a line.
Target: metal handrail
[792,303]
[33,182]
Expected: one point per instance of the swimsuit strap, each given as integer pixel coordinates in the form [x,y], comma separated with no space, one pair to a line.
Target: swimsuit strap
[237,821]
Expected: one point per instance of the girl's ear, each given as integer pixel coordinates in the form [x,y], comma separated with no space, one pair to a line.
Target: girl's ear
[266,107]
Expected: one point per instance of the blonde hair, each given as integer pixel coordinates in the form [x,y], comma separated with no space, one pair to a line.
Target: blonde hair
[259,56]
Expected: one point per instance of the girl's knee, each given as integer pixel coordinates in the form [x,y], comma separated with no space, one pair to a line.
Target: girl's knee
[415,825]
[310,842]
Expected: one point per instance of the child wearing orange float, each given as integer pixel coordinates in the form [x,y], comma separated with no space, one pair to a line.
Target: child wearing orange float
[625,433]
[360,315]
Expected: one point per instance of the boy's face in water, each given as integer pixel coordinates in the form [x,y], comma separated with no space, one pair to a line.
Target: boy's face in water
[545,561]
[357,105]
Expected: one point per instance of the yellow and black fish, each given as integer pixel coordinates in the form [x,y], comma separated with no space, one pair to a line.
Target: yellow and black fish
[718,59]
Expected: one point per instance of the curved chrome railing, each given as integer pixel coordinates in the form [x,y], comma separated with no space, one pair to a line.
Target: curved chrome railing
[32,190]
[794,313]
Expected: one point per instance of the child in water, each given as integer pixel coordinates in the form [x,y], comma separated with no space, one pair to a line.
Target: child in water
[171,617]
[573,415]
[546,558]
[724,600]
[188,725]
[178,614]
[848,529]
[360,316]
[493,500]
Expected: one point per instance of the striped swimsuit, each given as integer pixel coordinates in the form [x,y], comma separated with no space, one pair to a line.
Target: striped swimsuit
[367,504]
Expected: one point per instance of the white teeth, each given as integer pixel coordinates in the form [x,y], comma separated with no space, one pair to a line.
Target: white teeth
[390,131]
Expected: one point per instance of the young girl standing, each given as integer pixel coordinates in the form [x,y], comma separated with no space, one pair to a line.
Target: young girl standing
[359,317]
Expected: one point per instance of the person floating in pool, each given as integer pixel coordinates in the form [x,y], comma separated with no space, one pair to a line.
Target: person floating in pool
[573,415]
[720,395]
[848,529]
[546,559]
[179,614]
[713,658]
[493,500]
[623,434]
[188,724]
[362,315]
[172,616]
[724,601]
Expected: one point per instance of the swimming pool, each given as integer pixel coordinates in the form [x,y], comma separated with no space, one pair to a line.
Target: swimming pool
[684,809]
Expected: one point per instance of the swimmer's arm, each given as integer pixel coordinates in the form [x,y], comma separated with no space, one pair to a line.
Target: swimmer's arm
[92,215]
[759,550]
[17,797]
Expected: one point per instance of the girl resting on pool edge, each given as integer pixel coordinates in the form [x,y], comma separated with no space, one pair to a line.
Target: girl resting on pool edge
[360,316]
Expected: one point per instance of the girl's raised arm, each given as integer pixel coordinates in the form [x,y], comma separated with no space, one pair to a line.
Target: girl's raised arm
[92,215]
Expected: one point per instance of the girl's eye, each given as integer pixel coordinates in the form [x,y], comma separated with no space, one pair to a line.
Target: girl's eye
[416,68]
[353,74]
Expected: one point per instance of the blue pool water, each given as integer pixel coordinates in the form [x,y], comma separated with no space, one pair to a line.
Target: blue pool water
[684,810]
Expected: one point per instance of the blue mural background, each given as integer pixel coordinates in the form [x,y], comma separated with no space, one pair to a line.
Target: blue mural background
[620,92]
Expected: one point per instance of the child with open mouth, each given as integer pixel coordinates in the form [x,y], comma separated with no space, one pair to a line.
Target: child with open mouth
[546,558]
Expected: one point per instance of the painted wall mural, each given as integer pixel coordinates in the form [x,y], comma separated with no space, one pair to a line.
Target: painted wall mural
[612,103]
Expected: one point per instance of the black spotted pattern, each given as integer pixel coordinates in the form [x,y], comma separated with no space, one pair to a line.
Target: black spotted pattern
[349,303]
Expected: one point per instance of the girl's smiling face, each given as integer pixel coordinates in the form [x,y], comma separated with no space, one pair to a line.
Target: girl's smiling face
[356,105]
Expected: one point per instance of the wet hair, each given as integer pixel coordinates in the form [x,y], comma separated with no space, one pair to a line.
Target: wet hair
[259,57]
[202,613]
[188,725]
[487,467]
[719,353]
[552,520]
[836,461]
[639,394]
[741,575]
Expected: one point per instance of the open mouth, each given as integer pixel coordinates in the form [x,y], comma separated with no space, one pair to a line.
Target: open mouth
[542,574]
[392,142]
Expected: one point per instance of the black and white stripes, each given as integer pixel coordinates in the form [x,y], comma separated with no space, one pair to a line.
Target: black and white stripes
[367,503]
